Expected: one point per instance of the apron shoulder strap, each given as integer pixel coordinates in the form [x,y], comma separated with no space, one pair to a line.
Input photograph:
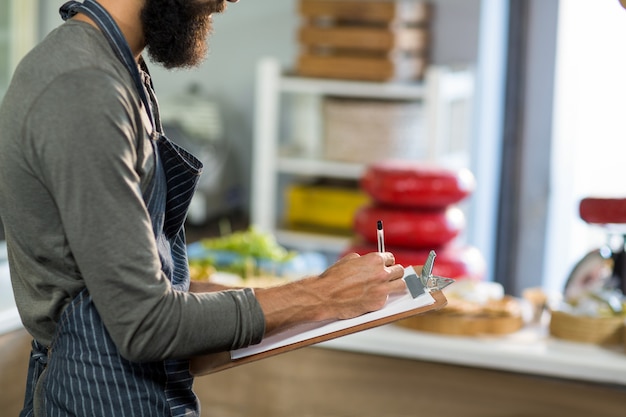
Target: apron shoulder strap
[116,39]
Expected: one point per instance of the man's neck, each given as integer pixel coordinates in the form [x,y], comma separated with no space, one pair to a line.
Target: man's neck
[126,14]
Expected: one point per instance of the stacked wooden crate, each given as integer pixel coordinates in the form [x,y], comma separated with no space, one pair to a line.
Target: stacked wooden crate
[370,40]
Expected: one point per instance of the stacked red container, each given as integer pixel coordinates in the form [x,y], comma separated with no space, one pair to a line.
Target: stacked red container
[418,205]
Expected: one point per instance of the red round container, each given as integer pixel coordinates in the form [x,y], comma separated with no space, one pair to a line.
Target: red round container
[603,210]
[411,184]
[410,228]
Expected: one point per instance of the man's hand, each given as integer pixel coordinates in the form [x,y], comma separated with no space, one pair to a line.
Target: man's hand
[360,284]
[353,286]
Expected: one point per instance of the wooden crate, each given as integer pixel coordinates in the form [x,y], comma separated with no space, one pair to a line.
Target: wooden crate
[369,40]
[360,67]
[408,39]
[367,11]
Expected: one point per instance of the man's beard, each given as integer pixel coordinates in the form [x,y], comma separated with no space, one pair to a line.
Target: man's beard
[176,31]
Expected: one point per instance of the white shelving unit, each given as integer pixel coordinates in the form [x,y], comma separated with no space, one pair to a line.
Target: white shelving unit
[441,91]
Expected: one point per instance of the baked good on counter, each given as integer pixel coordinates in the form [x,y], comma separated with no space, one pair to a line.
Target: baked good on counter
[474,308]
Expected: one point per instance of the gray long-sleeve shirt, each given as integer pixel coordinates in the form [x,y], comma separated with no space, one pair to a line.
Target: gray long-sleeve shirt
[74,157]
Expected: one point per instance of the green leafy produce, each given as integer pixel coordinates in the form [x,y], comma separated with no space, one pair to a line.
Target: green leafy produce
[250,243]
[255,253]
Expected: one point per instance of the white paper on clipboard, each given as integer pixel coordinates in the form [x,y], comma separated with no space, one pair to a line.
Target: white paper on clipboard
[395,305]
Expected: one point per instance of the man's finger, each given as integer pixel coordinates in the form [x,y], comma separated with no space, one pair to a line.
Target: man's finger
[397,286]
[388,258]
[396,272]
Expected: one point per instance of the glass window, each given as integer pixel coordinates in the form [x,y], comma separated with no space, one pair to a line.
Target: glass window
[589,128]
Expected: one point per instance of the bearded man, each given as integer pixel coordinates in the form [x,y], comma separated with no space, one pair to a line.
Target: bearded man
[93,198]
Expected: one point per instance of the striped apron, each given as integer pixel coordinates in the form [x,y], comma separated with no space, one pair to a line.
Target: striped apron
[82,372]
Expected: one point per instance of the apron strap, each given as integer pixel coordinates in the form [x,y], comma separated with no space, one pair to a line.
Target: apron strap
[116,39]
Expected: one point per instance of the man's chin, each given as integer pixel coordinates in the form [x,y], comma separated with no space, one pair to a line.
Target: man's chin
[190,62]
[186,55]
[177,37]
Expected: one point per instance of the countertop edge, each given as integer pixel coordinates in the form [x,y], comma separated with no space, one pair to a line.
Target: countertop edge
[529,351]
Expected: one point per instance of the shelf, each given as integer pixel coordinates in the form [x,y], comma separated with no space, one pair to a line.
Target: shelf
[307,241]
[399,91]
[444,93]
[318,167]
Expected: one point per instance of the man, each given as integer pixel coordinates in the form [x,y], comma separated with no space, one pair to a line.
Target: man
[93,199]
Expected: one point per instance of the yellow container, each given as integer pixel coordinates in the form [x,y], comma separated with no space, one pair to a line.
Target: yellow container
[323,206]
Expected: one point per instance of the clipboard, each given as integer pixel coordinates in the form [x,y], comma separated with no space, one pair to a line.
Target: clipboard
[215,362]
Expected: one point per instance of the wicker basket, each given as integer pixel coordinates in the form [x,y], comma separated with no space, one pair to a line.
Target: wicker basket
[364,131]
[596,330]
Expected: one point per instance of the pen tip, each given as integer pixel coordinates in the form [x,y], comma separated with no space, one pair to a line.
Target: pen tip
[379,224]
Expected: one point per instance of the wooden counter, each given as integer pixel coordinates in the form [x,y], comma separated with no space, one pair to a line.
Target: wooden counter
[330,383]
[325,381]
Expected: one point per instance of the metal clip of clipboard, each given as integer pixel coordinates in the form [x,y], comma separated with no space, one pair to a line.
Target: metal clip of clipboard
[426,281]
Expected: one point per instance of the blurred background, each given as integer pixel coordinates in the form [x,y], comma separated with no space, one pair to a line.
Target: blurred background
[540,128]
[525,97]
